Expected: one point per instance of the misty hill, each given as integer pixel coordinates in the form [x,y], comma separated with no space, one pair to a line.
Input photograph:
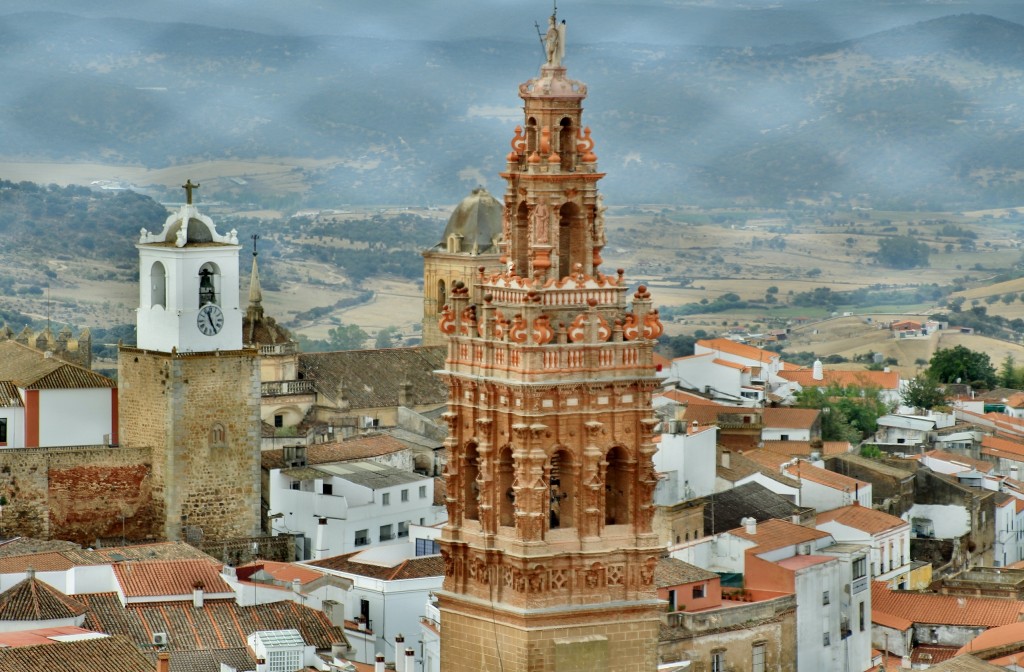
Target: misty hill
[927,115]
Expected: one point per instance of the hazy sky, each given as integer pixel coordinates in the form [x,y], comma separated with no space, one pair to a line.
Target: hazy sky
[709,22]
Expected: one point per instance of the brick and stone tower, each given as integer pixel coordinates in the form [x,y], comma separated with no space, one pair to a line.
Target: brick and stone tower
[189,391]
[549,549]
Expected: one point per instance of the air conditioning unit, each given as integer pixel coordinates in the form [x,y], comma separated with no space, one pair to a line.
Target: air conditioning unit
[160,639]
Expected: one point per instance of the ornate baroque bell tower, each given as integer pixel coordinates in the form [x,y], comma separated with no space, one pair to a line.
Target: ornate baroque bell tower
[549,550]
[189,391]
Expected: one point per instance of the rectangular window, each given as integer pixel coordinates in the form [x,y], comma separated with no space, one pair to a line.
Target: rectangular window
[758,657]
[278,420]
[427,547]
[824,598]
[362,537]
[860,568]
[860,614]
[385,498]
[718,661]
[698,592]
[283,661]
[328,488]
[784,437]
[295,485]
[423,492]
[3,431]
[403,529]
[385,533]
[826,639]
[405,495]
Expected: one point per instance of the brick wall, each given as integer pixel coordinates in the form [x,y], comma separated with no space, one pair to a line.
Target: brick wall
[78,493]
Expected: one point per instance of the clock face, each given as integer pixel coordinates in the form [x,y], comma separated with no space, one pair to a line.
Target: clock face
[210,319]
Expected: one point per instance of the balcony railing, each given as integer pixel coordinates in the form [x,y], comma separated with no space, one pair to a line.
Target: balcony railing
[279,388]
[859,585]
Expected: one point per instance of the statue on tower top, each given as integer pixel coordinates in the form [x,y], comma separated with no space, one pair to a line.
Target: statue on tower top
[554,40]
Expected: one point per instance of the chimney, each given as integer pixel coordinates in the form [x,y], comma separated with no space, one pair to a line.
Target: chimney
[296,585]
[410,660]
[321,529]
[1013,473]
[378,666]
[817,373]
[726,459]
[30,573]
[163,662]
[751,524]
[197,595]
[694,426]
[338,651]
[404,393]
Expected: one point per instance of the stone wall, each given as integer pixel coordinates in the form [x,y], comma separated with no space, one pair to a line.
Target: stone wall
[200,413]
[79,494]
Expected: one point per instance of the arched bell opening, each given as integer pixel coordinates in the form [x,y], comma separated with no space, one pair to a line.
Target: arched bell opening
[209,284]
[521,241]
[571,239]
[532,136]
[562,491]
[618,487]
[506,477]
[471,489]
[567,144]
[157,285]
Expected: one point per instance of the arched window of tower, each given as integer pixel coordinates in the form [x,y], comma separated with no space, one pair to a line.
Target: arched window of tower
[531,136]
[209,284]
[506,476]
[617,487]
[562,489]
[571,239]
[521,254]
[442,295]
[158,285]
[470,470]
[567,144]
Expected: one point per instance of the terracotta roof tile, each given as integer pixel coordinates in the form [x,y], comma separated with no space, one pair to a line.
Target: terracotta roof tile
[359,448]
[169,578]
[769,459]
[106,654]
[808,472]
[774,534]
[805,448]
[881,379]
[689,398]
[34,600]
[1011,633]
[731,365]
[1003,445]
[53,561]
[798,418]
[738,349]
[740,467]
[371,378]
[33,370]
[9,395]
[956,458]
[934,609]
[862,518]
[673,572]
[221,624]
[412,568]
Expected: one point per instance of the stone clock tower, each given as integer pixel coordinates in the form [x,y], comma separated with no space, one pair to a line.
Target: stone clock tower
[549,549]
[189,391]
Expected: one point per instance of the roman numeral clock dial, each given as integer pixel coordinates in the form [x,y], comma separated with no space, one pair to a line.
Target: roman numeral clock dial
[210,319]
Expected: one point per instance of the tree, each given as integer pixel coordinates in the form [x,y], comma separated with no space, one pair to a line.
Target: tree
[922,393]
[847,413]
[1009,374]
[347,337]
[902,252]
[676,346]
[386,337]
[959,364]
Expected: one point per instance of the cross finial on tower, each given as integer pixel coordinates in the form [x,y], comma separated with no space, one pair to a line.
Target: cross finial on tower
[254,237]
[188,187]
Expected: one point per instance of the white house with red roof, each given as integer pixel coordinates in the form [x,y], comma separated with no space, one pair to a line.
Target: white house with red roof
[826,490]
[685,462]
[45,401]
[722,379]
[790,424]
[887,382]
[830,581]
[887,535]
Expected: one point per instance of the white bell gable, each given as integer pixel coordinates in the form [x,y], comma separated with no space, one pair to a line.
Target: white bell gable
[188,286]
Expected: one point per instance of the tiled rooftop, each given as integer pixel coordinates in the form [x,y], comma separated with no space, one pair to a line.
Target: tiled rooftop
[808,472]
[774,534]
[672,572]
[169,578]
[371,378]
[862,518]
[958,459]
[33,370]
[217,625]
[359,448]
[412,568]
[1013,448]
[721,345]
[863,378]
[740,467]
[789,418]
[33,600]
[805,448]
[106,654]
[934,609]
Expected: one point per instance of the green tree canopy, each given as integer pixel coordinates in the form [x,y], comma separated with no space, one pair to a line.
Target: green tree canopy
[902,252]
[923,393]
[847,413]
[950,365]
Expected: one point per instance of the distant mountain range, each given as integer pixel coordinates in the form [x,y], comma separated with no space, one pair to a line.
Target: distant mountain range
[929,115]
